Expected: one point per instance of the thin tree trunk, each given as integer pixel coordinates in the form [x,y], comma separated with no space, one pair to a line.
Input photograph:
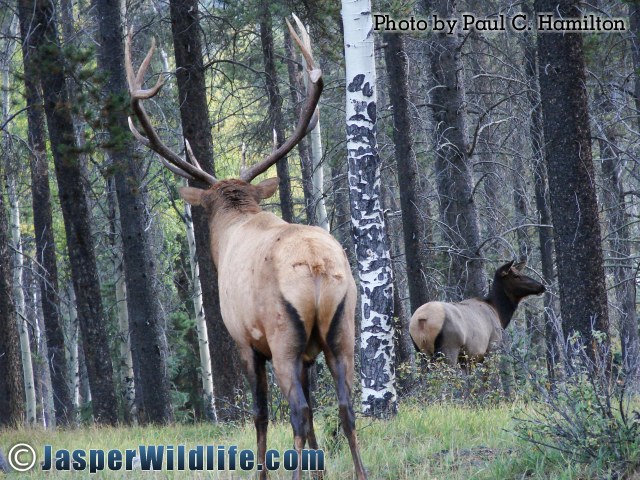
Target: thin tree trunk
[146,322]
[634,30]
[39,31]
[578,242]
[401,299]
[18,295]
[315,148]
[275,109]
[11,381]
[315,144]
[16,241]
[48,403]
[619,242]
[453,166]
[377,368]
[201,323]
[545,234]
[225,362]
[125,361]
[297,89]
[72,352]
[408,181]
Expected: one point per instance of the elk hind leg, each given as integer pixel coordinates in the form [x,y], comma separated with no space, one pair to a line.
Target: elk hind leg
[290,378]
[255,365]
[311,434]
[289,367]
[338,351]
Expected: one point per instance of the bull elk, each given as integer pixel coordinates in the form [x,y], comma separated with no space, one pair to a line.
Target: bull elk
[286,291]
[469,329]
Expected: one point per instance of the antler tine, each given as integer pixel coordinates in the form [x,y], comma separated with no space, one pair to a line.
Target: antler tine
[308,111]
[171,160]
[192,157]
[304,43]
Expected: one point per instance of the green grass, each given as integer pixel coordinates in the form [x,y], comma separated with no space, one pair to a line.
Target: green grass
[422,442]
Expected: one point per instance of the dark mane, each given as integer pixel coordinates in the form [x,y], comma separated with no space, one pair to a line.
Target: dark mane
[236,195]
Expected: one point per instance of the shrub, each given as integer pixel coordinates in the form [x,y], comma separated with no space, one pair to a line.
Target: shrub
[588,415]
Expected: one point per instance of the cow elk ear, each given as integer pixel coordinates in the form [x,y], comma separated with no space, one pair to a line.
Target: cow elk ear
[520,265]
[504,270]
[193,196]
[267,187]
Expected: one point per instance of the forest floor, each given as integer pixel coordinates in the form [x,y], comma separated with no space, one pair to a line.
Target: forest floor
[442,441]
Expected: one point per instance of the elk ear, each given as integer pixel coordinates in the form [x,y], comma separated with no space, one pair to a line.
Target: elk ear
[504,270]
[520,265]
[193,196]
[267,187]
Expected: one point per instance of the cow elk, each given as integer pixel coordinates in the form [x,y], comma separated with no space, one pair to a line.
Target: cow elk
[468,330]
[286,291]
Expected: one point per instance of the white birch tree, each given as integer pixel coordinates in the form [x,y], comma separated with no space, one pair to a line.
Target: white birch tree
[377,371]
[71,329]
[18,295]
[201,323]
[16,241]
[315,142]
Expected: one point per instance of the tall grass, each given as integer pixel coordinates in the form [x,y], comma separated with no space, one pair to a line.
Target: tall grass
[442,441]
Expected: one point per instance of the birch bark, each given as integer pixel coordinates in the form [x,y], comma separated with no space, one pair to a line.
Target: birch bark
[377,370]
[201,323]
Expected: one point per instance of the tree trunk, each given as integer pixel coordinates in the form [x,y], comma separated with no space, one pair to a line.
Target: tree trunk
[124,365]
[634,30]
[561,72]
[297,91]
[225,362]
[619,241]
[11,381]
[552,334]
[275,109]
[73,352]
[201,323]
[453,166]
[146,322]
[38,25]
[18,295]
[408,181]
[314,148]
[46,266]
[15,236]
[377,368]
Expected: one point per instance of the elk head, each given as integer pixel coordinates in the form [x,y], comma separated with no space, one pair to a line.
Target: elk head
[517,285]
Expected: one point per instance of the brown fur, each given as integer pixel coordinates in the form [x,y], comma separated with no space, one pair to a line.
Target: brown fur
[280,288]
[472,327]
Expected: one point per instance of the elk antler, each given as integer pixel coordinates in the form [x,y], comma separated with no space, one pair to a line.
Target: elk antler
[171,160]
[308,117]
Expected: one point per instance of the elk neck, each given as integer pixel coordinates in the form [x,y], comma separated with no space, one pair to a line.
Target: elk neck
[225,223]
[504,305]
